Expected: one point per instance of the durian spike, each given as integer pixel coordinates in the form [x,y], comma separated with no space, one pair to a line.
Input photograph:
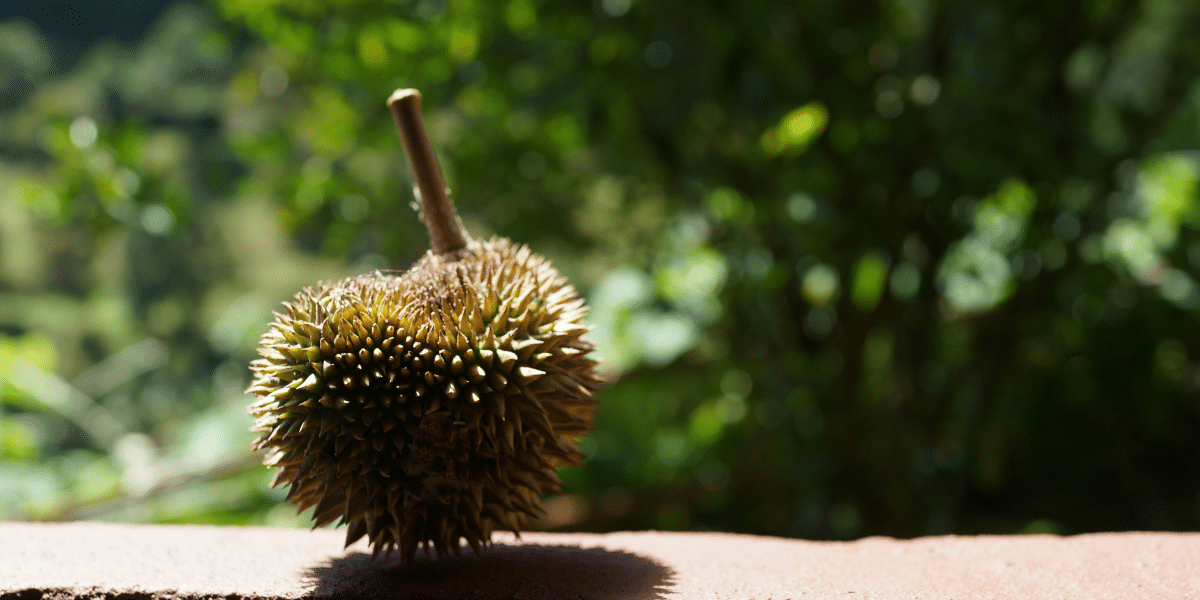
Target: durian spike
[446,232]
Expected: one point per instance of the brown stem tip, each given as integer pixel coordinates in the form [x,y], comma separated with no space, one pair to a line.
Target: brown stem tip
[446,232]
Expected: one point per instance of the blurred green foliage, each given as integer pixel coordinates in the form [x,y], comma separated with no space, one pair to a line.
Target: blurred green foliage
[900,267]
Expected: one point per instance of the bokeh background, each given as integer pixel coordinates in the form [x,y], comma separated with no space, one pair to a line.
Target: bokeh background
[897,267]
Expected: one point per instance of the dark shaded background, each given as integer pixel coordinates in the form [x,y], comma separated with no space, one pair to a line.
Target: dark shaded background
[903,267]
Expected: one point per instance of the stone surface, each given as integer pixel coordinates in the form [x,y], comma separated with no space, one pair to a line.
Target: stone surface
[140,562]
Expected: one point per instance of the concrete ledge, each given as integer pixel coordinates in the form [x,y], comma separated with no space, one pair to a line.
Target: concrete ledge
[144,562]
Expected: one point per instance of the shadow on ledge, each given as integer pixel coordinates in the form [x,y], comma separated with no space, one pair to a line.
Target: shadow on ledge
[522,571]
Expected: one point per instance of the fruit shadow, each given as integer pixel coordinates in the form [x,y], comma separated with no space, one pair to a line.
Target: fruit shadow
[530,571]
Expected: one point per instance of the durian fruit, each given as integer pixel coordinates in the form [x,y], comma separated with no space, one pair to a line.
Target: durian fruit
[428,407]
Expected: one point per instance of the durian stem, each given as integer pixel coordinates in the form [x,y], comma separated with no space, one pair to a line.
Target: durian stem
[446,232]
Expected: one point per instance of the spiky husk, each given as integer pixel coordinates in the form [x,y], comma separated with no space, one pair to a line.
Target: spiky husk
[428,407]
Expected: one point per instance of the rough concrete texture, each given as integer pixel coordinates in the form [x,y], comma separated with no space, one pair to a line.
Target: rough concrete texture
[140,562]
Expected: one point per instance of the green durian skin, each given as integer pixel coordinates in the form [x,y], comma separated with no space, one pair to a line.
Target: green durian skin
[429,407]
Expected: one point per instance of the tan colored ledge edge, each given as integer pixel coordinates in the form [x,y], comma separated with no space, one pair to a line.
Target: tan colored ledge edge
[143,562]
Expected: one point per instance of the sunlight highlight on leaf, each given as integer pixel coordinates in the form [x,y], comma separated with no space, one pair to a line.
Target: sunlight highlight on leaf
[796,130]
